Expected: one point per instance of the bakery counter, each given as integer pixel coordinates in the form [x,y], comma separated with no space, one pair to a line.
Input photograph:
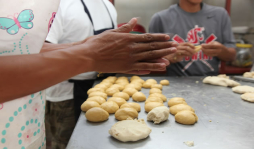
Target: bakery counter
[225,121]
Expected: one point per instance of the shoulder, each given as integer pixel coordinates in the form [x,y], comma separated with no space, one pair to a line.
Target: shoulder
[220,11]
[165,13]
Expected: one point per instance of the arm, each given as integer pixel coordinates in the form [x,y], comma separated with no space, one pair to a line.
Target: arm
[47,47]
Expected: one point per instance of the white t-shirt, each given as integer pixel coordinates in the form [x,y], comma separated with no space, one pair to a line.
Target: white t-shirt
[72,24]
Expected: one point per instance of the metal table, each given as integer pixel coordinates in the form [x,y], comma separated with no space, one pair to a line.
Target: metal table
[225,121]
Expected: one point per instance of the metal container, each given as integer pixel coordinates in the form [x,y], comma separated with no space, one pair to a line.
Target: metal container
[244,56]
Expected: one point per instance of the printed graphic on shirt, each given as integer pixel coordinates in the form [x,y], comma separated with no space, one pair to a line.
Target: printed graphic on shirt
[12,26]
[51,20]
[196,37]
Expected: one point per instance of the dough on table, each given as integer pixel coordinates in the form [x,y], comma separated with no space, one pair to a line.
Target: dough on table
[88,105]
[120,101]
[95,90]
[176,101]
[152,81]
[163,97]
[134,78]
[243,89]
[180,107]
[110,106]
[108,80]
[158,114]
[140,81]
[102,94]
[139,96]
[125,113]
[130,91]
[147,85]
[155,90]
[151,105]
[164,82]
[130,130]
[102,86]
[220,81]
[248,74]
[133,105]
[96,114]
[198,48]
[107,84]
[159,86]
[186,117]
[111,91]
[118,86]
[112,78]
[223,76]
[98,99]
[122,95]
[137,87]
[248,97]
[154,99]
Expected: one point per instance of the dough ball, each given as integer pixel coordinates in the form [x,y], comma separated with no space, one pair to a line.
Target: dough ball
[164,82]
[139,96]
[130,91]
[122,95]
[223,76]
[118,86]
[89,104]
[154,99]
[186,117]
[147,85]
[176,101]
[95,90]
[220,81]
[133,105]
[103,95]
[101,86]
[248,75]
[108,81]
[152,81]
[151,105]
[137,84]
[180,107]
[134,78]
[248,97]
[140,81]
[137,87]
[130,130]
[112,78]
[98,99]
[125,113]
[110,107]
[96,114]
[107,84]
[164,98]
[159,86]
[243,89]
[158,114]
[155,90]
[120,101]
[111,91]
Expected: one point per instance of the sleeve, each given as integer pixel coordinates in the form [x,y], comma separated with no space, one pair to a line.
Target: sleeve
[227,34]
[156,24]
[56,30]
[112,11]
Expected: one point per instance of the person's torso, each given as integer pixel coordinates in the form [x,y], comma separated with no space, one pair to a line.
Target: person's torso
[78,24]
[22,120]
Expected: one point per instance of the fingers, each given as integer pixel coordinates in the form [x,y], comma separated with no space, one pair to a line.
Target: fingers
[148,37]
[186,49]
[161,60]
[149,66]
[127,27]
[153,54]
[141,47]
[138,72]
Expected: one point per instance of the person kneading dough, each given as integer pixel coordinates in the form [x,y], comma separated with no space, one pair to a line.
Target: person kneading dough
[139,96]
[186,117]
[125,113]
[110,106]
[96,114]
[158,114]
[180,107]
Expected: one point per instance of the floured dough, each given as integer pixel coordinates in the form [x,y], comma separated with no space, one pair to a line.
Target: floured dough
[130,130]
[133,105]
[139,96]
[130,91]
[163,97]
[98,99]
[111,91]
[223,76]
[248,75]
[151,105]
[220,81]
[96,115]
[164,82]
[102,94]
[189,143]
[186,117]
[243,89]
[155,90]
[120,101]
[176,101]
[110,106]
[158,114]
[180,107]
[88,105]
[125,113]
[122,95]
[248,97]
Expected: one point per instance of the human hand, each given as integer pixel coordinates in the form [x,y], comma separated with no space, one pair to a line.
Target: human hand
[213,48]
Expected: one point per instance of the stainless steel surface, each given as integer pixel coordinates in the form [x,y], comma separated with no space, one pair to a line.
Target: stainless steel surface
[231,125]
[243,79]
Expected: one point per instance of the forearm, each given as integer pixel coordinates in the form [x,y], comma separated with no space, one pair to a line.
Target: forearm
[27,74]
[47,47]
[227,54]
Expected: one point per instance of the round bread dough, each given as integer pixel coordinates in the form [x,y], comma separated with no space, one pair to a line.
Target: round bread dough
[102,94]
[113,78]
[151,105]
[155,90]
[98,99]
[137,84]
[108,84]
[122,95]
[163,97]
[130,130]
[248,97]
[89,104]
[137,87]
[243,89]
[111,91]
[186,117]
[125,113]
[154,99]
[102,86]
[138,81]
[164,82]
[159,86]
[118,86]
[147,85]
[152,81]
[176,101]
[139,96]
[134,78]
[107,80]
[180,107]
[110,107]
[95,90]
[96,114]
[120,101]
[158,114]
[130,91]
[133,105]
